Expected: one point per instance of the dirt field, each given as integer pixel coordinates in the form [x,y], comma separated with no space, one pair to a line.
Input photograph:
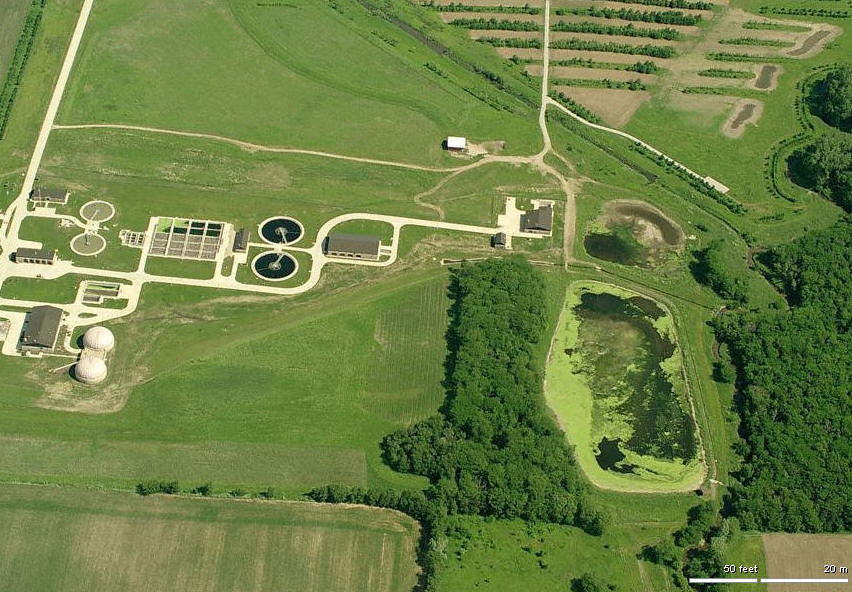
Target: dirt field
[53,539]
[745,112]
[804,556]
[615,107]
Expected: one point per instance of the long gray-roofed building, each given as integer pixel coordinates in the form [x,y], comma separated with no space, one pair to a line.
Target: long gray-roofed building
[241,239]
[51,195]
[38,256]
[353,246]
[539,220]
[41,329]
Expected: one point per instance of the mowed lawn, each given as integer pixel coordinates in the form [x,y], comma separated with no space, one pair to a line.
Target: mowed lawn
[12,13]
[55,539]
[240,390]
[302,74]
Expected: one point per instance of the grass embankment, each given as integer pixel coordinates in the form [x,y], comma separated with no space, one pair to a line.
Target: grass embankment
[113,541]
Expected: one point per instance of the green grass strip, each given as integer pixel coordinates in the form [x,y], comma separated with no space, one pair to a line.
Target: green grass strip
[723,73]
[765,26]
[23,48]
[757,42]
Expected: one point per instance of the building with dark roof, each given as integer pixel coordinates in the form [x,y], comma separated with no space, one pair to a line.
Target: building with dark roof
[353,246]
[38,256]
[499,240]
[41,329]
[241,240]
[539,220]
[51,195]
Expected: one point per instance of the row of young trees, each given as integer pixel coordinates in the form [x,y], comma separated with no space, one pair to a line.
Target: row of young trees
[15,74]
[667,17]
[628,30]
[461,7]
[654,51]
[646,67]
[492,24]
[687,4]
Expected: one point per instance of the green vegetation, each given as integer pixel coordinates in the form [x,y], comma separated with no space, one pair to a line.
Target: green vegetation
[459,7]
[831,98]
[493,450]
[15,72]
[182,268]
[805,11]
[628,30]
[493,24]
[668,17]
[672,4]
[116,540]
[711,268]
[646,67]
[824,165]
[578,109]
[770,26]
[511,42]
[724,56]
[724,73]
[654,51]
[602,83]
[757,42]
[795,373]
[12,16]
[62,290]
[267,47]
[615,381]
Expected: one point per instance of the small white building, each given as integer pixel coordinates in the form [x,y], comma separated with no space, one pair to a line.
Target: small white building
[456,143]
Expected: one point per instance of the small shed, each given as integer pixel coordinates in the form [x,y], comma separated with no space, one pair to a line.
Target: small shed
[41,329]
[539,220]
[353,246]
[499,240]
[37,256]
[456,143]
[50,195]
[241,241]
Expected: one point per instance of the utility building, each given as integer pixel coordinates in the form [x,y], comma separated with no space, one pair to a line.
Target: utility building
[38,256]
[41,329]
[50,195]
[353,246]
[499,240]
[456,143]
[539,220]
[241,240]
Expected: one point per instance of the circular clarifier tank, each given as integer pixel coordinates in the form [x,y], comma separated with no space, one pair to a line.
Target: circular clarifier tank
[281,230]
[274,267]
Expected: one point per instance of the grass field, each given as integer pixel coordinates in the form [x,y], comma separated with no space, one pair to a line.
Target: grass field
[235,390]
[151,63]
[118,541]
[12,14]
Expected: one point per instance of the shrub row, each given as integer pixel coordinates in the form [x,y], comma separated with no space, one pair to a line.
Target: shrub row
[576,108]
[757,42]
[699,184]
[668,17]
[823,12]
[672,4]
[722,73]
[602,83]
[15,74]
[458,7]
[512,42]
[766,26]
[654,51]
[626,30]
[646,67]
[493,24]
[723,56]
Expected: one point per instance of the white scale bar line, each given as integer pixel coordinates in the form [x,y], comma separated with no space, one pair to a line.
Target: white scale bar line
[805,580]
[723,580]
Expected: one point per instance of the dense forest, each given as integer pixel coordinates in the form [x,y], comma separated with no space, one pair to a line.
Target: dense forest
[831,98]
[493,449]
[795,390]
[825,165]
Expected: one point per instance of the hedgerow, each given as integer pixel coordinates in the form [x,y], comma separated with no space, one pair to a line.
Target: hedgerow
[15,74]
[654,51]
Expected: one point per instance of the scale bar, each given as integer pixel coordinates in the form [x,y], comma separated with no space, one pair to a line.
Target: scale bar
[804,580]
[722,580]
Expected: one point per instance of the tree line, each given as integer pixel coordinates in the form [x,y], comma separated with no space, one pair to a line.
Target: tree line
[667,17]
[654,51]
[628,30]
[15,73]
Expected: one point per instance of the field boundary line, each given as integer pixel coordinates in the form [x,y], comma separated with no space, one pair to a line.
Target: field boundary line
[252,147]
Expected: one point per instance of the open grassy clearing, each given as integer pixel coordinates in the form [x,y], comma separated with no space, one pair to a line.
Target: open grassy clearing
[112,541]
[173,77]
[12,14]
[200,376]
[805,556]
[167,266]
